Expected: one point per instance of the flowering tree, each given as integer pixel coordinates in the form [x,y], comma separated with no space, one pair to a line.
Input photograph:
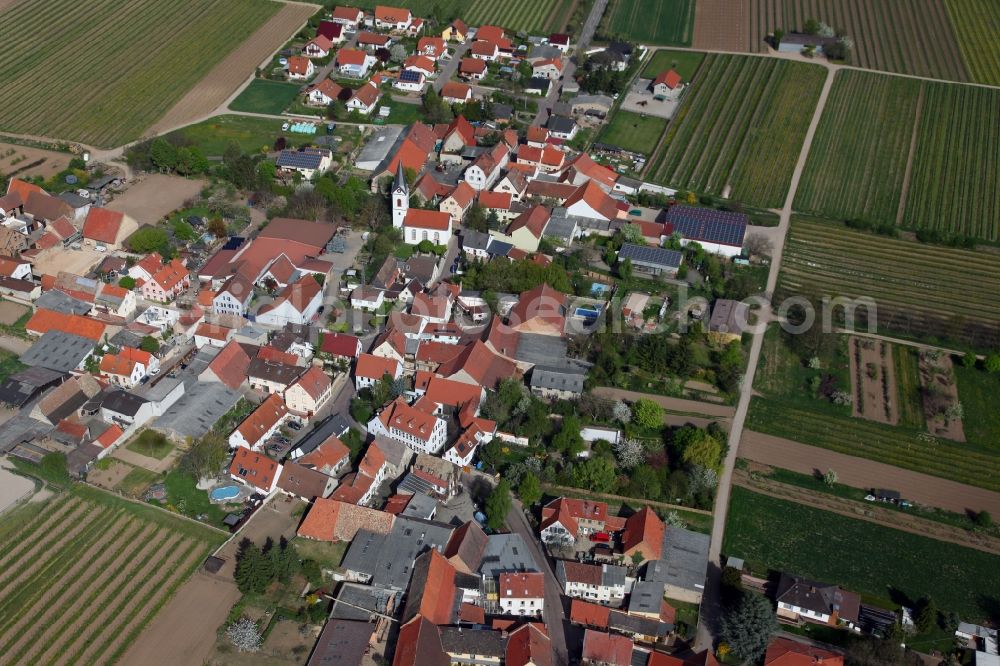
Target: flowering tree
[630,453]
[244,634]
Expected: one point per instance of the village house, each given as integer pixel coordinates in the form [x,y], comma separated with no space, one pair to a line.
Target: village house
[410,80]
[128,367]
[260,424]
[417,429]
[456,93]
[309,393]
[392,18]
[565,520]
[803,600]
[318,47]
[324,93]
[272,376]
[370,369]
[307,162]
[364,99]
[167,282]
[458,203]
[522,593]
[255,470]
[234,296]
[598,583]
[297,303]
[299,68]
[349,17]
[472,69]
[373,40]
[456,31]
[549,68]
[354,63]
[667,86]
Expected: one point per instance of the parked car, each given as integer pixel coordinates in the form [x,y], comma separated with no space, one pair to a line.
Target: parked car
[295,425]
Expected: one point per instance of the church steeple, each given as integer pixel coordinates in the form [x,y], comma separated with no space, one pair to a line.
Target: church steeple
[400,197]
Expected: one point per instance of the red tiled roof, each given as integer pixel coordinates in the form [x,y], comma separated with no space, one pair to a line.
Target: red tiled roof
[420,62]
[481,364]
[213,331]
[327,455]
[257,469]
[643,533]
[124,361]
[339,344]
[332,520]
[328,88]
[109,436]
[434,45]
[567,510]
[44,321]
[529,585]
[23,188]
[418,218]
[298,65]
[368,37]
[437,352]
[534,220]
[543,303]
[72,428]
[263,418]
[552,156]
[786,652]
[528,644]
[463,194]
[419,644]
[392,14]
[102,225]
[62,227]
[464,129]
[608,649]
[351,57]
[555,62]
[490,33]
[437,599]
[322,41]
[495,200]
[372,462]
[472,614]
[452,90]
[592,194]
[484,48]
[230,365]
[586,166]
[396,504]
[449,392]
[367,94]
[412,421]
[588,614]
[370,366]
[313,234]
[170,275]
[670,77]
[346,13]
[314,382]
[472,66]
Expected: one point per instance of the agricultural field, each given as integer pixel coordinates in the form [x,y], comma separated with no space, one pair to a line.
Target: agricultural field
[956,166]
[908,395]
[905,36]
[857,161]
[685,62]
[914,449]
[251,134]
[118,66]
[978,22]
[880,563]
[632,131]
[264,96]
[740,129]
[668,22]
[534,16]
[921,291]
[978,391]
[83,576]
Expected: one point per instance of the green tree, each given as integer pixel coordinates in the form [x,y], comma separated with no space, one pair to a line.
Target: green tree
[748,625]
[149,344]
[498,505]
[206,456]
[568,440]
[992,363]
[163,154]
[625,270]
[927,615]
[529,490]
[217,227]
[476,219]
[597,474]
[645,483]
[148,239]
[983,519]
[698,447]
[251,573]
[127,282]
[647,414]
[53,468]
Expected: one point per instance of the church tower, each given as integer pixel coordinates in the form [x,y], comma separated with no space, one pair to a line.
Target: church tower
[400,197]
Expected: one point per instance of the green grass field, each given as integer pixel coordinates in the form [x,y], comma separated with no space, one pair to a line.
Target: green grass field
[740,129]
[875,561]
[911,409]
[633,131]
[151,443]
[685,62]
[953,188]
[534,16]
[667,22]
[251,134]
[978,24]
[857,161]
[117,66]
[97,567]
[921,291]
[264,96]
[978,391]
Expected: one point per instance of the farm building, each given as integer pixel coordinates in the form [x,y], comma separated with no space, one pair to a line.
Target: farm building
[729,320]
[719,232]
[797,42]
[651,260]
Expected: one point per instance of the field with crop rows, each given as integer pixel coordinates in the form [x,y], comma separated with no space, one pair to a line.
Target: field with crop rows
[978,23]
[108,69]
[741,125]
[953,187]
[535,16]
[80,580]
[908,448]
[857,161]
[667,22]
[871,559]
[906,36]
[925,291]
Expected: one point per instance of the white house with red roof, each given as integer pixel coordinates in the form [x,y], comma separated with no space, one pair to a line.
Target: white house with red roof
[472,69]
[370,369]
[107,227]
[297,303]
[456,93]
[486,168]
[261,423]
[592,202]
[392,18]
[299,68]
[128,367]
[548,68]
[432,47]
[145,268]
[318,47]
[420,63]
[168,282]
[522,593]
[667,85]
[364,99]
[565,520]
[309,393]
[421,431]
[255,470]
[355,63]
[325,92]
[340,346]
[331,457]
[349,17]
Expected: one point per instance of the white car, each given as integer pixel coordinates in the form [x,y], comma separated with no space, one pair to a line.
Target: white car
[284,127]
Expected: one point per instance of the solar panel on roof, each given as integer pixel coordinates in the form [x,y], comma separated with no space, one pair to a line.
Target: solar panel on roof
[410,76]
[299,160]
[650,255]
[706,224]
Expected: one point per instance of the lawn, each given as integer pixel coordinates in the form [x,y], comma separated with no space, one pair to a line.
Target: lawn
[9,364]
[151,443]
[875,561]
[978,391]
[184,497]
[119,66]
[782,375]
[685,62]
[137,481]
[632,131]
[669,22]
[264,96]
[98,567]
[327,555]
[253,135]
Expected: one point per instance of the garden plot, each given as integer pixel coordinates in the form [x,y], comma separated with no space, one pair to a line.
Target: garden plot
[940,391]
[873,383]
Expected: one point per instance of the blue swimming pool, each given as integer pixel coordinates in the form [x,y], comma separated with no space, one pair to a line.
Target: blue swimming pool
[224,493]
[588,312]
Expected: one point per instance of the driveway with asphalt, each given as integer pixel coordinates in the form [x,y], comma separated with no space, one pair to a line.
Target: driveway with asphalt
[554,615]
[451,65]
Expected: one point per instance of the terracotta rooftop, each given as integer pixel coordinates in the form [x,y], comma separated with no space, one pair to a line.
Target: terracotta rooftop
[333,520]
[256,468]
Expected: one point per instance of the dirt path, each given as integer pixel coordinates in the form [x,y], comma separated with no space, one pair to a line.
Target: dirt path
[92,569]
[109,619]
[910,159]
[150,545]
[871,513]
[673,404]
[863,473]
[142,605]
[229,76]
[14,345]
[30,548]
